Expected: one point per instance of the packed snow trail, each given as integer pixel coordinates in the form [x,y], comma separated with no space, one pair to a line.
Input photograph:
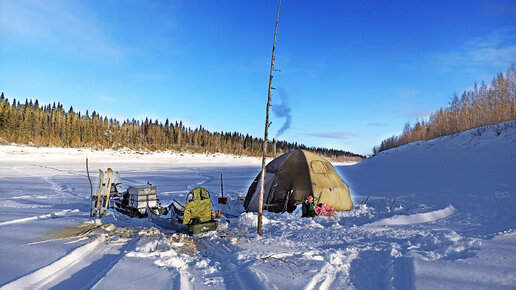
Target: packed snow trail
[415,218]
[46,275]
[41,217]
[96,271]
[85,265]
[232,274]
[336,269]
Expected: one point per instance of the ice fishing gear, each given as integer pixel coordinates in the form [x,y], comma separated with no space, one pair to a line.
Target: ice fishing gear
[182,206]
[222,199]
[218,214]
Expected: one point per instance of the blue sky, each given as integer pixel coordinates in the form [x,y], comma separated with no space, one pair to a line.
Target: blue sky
[352,72]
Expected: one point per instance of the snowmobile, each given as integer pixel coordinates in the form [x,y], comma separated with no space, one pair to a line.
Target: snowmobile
[132,202]
[135,200]
[195,217]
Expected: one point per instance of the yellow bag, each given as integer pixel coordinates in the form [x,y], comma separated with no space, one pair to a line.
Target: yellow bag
[198,205]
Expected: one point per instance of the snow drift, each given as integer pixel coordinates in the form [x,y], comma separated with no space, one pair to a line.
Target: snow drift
[434,214]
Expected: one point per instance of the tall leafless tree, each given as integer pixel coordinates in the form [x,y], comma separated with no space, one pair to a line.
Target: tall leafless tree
[264,148]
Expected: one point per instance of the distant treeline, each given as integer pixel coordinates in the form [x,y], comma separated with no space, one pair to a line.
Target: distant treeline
[480,106]
[51,125]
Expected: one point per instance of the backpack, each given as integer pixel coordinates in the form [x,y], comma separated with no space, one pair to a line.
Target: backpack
[198,206]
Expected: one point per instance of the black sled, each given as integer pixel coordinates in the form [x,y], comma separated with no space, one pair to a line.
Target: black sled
[194,217]
[135,201]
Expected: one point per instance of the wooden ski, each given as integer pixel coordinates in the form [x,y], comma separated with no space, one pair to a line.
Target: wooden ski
[107,191]
[98,196]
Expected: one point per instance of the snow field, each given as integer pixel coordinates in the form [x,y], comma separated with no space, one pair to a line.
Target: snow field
[436,214]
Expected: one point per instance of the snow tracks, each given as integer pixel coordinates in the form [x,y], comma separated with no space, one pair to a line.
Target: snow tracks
[84,266]
[336,270]
[415,218]
[227,269]
[40,217]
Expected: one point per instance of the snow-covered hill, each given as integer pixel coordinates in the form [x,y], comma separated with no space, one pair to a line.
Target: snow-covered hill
[473,170]
[471,176]
[435,214]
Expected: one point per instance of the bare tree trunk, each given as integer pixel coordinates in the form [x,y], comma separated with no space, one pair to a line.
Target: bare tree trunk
[264,148]
[91,186]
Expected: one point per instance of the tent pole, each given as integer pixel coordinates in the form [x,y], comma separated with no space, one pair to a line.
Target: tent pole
[264,148]
[274,150]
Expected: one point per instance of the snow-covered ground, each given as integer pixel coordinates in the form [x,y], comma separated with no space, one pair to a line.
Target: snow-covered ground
[436,214]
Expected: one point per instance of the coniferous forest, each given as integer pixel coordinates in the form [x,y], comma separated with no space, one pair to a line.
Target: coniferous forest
[480,106]
[51,125]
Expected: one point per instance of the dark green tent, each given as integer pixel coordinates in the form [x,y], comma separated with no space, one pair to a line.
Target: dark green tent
[293,176]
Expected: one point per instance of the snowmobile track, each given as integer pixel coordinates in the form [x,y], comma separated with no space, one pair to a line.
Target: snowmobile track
[111,264]
[336,270]
[81,264]
[206,179]
[236,276]
[41,217]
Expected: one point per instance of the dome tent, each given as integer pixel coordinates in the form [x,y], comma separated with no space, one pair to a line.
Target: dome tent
[293,176]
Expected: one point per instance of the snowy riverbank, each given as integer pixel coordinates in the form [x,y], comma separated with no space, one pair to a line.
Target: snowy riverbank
[439,214]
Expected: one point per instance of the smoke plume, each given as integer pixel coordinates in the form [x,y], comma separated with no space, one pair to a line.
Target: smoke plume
[282,110]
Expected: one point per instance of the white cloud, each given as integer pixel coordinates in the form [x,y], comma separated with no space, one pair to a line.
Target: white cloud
[496,50]
[60,26]
[333,135]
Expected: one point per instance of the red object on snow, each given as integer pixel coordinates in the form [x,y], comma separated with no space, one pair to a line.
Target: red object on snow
[324,210]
